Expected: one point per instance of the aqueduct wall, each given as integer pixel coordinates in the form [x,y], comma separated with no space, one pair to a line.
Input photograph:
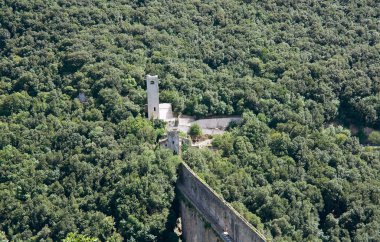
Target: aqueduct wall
[206,216]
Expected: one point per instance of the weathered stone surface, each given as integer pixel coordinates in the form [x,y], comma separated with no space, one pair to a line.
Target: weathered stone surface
[194,227]
[209,126]
[153,97]
[217,213]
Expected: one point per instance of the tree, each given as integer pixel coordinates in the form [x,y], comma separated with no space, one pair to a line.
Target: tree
[292,70]
[195,131]
[74,237]
[3,238]
[374,137]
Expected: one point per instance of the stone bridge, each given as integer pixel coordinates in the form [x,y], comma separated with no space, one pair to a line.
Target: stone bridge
[207,217]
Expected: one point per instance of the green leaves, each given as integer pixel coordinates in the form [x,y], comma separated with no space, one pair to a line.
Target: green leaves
[12,104]
[293,69]
[303,184]
[195,131]
[74,237]
[374,138]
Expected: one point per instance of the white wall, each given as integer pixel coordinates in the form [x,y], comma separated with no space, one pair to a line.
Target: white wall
[166,112]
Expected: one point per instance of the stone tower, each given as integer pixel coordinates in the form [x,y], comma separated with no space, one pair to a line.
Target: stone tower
[174,142]
[153,97]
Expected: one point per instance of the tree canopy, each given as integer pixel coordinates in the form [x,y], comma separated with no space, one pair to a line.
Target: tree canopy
[297,70]
[318,186]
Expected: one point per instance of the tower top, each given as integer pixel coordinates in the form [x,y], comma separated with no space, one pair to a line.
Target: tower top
[151,77]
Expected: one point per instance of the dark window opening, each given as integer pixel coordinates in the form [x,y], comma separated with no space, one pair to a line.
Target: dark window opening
[154,108]
[152,82]
[173,142]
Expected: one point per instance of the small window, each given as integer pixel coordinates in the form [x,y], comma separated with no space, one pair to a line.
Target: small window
[173,142]
[154,108]
[152,82]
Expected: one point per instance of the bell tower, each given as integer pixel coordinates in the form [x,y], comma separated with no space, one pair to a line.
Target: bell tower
[152,92]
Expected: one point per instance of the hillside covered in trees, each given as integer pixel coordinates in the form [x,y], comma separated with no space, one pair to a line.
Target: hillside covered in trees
[297,70]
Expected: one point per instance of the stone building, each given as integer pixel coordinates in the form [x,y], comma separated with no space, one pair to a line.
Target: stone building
[157,110]
[172,142]
[153,97]
[176,124]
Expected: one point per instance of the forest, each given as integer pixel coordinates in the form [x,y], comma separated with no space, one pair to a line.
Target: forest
[79,161]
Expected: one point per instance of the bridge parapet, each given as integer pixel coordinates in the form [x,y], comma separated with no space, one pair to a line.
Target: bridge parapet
[227,223]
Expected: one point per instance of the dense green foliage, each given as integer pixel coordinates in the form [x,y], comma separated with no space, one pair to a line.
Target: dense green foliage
[374,138]
[90,167]
[297,185]
[217,57]
[95,177]
[72,237]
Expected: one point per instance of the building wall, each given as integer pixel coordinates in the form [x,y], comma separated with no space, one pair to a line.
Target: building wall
[209,126]
[173,142]
[194,227]
[214,209]
[153,97]
[166,112]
